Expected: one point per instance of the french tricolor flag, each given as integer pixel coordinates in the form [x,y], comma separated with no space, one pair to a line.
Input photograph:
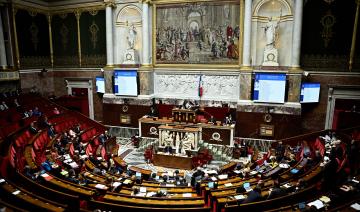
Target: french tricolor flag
[200,87]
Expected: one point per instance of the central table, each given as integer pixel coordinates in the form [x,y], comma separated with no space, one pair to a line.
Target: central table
[173,161]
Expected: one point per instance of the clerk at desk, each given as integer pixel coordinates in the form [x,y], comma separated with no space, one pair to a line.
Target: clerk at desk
[153,112]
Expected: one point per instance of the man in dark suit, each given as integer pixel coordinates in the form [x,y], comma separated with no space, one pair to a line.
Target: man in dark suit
[276,191]
[254,195]
[153,112]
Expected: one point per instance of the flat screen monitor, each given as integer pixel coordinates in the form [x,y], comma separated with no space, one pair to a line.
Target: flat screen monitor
[269,87]
[125,83]
[310,92]
[211,184]
[246,185]
[100,84]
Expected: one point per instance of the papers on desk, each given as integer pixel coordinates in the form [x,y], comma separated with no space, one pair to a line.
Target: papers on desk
[317,203]
[253,172]
[127,181]
[101,186]
[287,185]
[2,180]
[143,189]
[141,195]
[16,192]
[99,158]
[187,195]
[170,185]
[210,172]
[150,194]
[284,165]
[67,157]
[238,197]
[83,156]
[74,165]
[116,184]
[170,173]
[223,176]
[64,172]
[356,206]
[54,166]
[325,199]
[213,178]
[46,177]
[355,181]
[237,171]
[228,184]
[68,161]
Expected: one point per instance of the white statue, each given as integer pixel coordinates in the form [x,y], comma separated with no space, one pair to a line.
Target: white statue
[168,139]
[270,32]
[188,142]
[131,37]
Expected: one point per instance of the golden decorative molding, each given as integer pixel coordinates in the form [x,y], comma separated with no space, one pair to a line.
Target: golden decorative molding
[189,1]
[110,3]
[48,16]
[17,64]
[327,21]
[353,41]
[93,60]
[78,15]
[35,61]
[241,35]
[53,11]
[94,29]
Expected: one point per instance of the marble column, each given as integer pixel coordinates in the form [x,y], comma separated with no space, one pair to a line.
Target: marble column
[296,42]
[294,87]
[247,34]
[245,85]
[145,34]
[3,61]
[109,33]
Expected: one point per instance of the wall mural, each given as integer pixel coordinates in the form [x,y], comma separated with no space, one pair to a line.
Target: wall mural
[197,33]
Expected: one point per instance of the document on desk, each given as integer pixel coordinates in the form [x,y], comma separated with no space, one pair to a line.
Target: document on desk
[238,197]
[150,194]
[2,180]
[101,186]
[116,184]
[356,206]
[223,176]
[228,184]
[213,178]
[127,181]
[317,203]
[16,192]
[170,185]
[143,189]
[325,199]
[187,195]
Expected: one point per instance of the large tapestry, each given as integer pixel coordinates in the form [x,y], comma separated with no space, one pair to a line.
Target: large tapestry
[197,33]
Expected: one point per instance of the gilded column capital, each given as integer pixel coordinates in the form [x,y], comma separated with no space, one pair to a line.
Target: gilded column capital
[77,14]
[109,3]
[146,1]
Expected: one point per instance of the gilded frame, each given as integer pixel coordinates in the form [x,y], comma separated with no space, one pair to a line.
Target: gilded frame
[162,3]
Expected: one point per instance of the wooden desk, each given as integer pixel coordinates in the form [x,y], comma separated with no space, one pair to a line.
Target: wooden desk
[172,161]
[213,134]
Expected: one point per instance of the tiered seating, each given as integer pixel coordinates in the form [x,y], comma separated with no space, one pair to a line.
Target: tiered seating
[52,190]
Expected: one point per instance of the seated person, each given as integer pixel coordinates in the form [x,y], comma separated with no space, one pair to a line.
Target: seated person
[32,128]
[56,111]
[77,129]
[212,120]
[187,104]
[254,195]
[153,112]
[276,191]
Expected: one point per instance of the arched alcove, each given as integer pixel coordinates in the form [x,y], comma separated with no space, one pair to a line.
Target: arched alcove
[125,17]
[278,10]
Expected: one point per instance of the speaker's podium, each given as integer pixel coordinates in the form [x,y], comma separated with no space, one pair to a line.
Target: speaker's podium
[178,143]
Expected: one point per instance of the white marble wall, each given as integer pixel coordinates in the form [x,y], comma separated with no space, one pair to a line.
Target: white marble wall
[186,86]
